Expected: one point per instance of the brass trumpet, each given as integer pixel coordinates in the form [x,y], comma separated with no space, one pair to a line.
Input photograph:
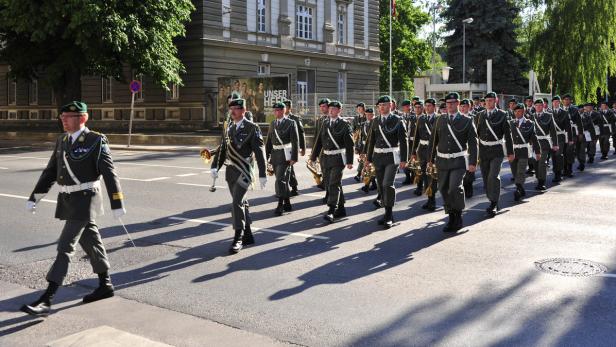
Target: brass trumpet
[432,172]
[270,169]
[414,165]
[315,169]
[207,154]
[367,173]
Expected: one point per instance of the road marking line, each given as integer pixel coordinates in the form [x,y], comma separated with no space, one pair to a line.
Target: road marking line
[606,275]
[313,195]
[144,179]
[199,185]
[4,168]
[4,148]
[202,221]
[26,198]
[20,157]
[156,165]
[186,175]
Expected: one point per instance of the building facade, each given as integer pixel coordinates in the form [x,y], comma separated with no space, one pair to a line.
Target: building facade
[323,46]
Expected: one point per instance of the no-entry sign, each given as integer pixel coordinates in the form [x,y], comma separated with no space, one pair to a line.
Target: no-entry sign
[135,86]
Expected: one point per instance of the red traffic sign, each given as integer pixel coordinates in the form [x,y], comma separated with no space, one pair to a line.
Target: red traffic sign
[135,86]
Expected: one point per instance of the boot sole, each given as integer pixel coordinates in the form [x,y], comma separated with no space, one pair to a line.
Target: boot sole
[106,296]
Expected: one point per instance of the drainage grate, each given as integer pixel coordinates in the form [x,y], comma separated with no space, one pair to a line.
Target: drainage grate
[570,267]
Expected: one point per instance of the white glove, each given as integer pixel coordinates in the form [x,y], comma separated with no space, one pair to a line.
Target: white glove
[214,173]
[263,182]
[117,213]
[31,206]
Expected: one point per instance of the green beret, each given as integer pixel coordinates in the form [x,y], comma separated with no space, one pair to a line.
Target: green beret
[556,97]
[370,110]
[384,98]
[528,98]
[75,106]
[538,101]
[513,101]
[442,106]
[406,102]
[452,96]
[482,100]
[237,102]
[418,102]
[589,104]
[603,103]
[519,106]
[490,95]
[430,101]
[288,103]
[279,105]
[416,98]
[475,98]
[465,102]
[361,104]
[335,103]
[324,101]
[567,96]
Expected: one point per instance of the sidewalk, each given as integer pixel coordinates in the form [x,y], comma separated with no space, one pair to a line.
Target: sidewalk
[110,322]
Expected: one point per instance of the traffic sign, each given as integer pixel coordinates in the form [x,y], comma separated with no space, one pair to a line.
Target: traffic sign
[135,86]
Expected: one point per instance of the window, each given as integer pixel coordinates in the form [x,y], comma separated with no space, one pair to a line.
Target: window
[34,115]
[108,114]
[33,92]
[12,91]
[12,114]
[342,85]
[139,114]
[172,114]
[303,20]
[341,28]
[173,94]
[106,88]
[261,16]
[263,69]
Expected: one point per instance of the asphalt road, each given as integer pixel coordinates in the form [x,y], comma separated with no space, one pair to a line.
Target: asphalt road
[348,283]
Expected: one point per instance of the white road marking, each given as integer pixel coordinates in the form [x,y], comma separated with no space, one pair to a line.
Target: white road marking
[314,195]
[5,148]
[21,157]
[26,198]
[202,221]
[606,275]
[186,175]
[145,179]
[199,185]
[156,165]
[4,168]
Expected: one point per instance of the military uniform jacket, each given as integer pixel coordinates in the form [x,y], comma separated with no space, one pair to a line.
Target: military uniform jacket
[589,120]
[443,142]
[524,138]
[88,158]
[605,121]
[498,121]
[300,130]
[562,121]
[545,130]
[287,132]
[423,135]
[341,133]
[245,141]
[358,121]
[363,136]
[411,124]
[394,129]
[576,121]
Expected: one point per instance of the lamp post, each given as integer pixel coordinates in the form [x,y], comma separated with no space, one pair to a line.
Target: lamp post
[464,22]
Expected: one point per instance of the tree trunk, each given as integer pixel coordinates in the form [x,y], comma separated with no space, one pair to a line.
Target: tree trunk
[67,91]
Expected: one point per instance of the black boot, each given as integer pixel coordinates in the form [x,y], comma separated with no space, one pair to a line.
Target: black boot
[557,178]
[329,215]
[430,205]
[365,188]
[248,238]
[492,209]
[373,185]
[237,244]
[377,202]
[42,306]
[388,219]
[287,205]
[294,191]
[519,192]
[340,212]
[321,186]
[457,224]
[581,167]
[357,178]
[541,186]
[104,290]
[591,160]
[450,222]
[419,190]
[324,200]
[408,179]
[279,209]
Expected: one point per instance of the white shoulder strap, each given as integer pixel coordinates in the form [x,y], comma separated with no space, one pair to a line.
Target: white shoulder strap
[454,137]
[384,137]
[70,172]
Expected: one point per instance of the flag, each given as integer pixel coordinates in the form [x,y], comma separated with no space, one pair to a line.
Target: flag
[393,8]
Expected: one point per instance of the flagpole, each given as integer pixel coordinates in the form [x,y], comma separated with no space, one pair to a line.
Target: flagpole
[390,53]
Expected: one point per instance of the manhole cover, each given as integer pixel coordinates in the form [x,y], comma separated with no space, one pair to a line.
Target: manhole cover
[570,267]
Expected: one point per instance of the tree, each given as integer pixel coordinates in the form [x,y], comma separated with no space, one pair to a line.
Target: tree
[59,41]
[491,35]
[575,43]
[410,53]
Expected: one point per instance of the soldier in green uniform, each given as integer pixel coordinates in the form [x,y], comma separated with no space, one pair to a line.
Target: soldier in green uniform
[510,108]
[420,151]
[528,102]
[590,122]
[469,177]
[454,146]
[360,148]
[494,136]
[388,152]
[335,146]
[614,127]
[358,123]
[302,142]
[606,121]
[562,123]
[546,135]
[321,118]
[477,105]
[574,150]
[411,126]
[243,139]
[281,151]
[524,144]
[79,159]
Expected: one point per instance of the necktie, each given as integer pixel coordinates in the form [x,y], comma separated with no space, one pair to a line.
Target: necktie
[70,140]
[451,117]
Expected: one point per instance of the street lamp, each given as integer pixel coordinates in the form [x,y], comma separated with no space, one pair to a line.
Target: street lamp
[464,22]
[445,73]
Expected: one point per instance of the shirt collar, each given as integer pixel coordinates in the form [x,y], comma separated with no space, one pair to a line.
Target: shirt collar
[239,123]
[76,134]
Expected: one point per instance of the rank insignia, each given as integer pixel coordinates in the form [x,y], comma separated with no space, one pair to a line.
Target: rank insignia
[118,196]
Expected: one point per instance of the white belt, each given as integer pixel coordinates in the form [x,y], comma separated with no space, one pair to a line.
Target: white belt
[526,145]
[286,145]
[80,187]
[424,142]
[606,125]
[491,143]
[335,151]
[561,133]
[452,155]
[386,150]
[411,139]
[546,137]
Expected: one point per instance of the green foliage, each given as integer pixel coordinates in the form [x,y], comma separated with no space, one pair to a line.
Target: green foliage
[492,35]
[576,39]
[63,40]
[410,54]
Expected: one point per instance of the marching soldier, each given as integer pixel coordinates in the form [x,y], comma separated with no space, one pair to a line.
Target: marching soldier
[420,151]
[454,145]
[494,136]
[442,108]
[575,150]
[592,129]
[477,105]
[510,108]
[321,118]
[528,102]
[606,121]
[335,146]
[242,139]
[410,117]
[469,177]
[546,136]
[524,144]
[614,127]
[360,147]
[302,143]
[562,123]
[78,161]
[281,151]
[358,123]
[387,151]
